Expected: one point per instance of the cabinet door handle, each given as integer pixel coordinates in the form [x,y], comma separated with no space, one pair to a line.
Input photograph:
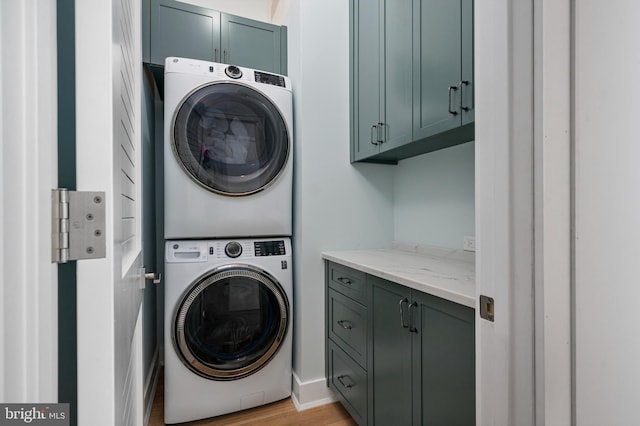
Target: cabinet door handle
[452,112]
[345,281]
[215,55]
[341,380]
[345,324]
[380,128]
[412,328]
[402,302]
[463,83]
[224,52]
[374,141]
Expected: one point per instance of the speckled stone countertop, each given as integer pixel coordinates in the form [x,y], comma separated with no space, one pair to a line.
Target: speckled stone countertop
[446,273]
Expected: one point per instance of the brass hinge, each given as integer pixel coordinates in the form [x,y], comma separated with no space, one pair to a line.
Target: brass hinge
[78,225]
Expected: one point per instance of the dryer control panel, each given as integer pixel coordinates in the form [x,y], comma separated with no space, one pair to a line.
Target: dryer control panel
[269,248]
[266,78]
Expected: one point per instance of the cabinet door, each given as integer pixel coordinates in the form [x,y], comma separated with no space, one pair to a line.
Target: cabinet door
[443,362]
[180,29]
[365,77]
[396,85]
[437,62]
[468,101]
[390,353]
[251,44]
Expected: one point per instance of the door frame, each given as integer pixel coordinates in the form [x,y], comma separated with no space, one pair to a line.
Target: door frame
[523,210]
[28,119]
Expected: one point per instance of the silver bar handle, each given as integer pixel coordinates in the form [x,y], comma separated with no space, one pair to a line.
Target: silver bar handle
[215,55]
[412,328]
[344,280]
[341,380]
[345,324]
[403,301]
[374,142]
[450,110]
[224,52]
[380,128]
[463,83]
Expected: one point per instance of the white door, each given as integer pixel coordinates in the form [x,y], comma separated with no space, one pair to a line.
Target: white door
[109,295]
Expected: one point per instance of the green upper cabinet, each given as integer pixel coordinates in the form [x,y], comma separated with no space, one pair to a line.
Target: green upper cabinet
[381,91]
[253,44]
[365,83]
[411,77]
[443,71]
[179,29]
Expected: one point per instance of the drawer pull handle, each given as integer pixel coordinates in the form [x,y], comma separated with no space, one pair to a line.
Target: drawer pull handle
[345,324]
[346,385]
[345,281]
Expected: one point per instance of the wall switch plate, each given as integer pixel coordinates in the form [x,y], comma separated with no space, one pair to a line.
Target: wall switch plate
[469,244]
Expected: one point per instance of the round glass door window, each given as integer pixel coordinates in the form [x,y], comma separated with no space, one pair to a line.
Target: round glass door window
[230,138]
[231,322]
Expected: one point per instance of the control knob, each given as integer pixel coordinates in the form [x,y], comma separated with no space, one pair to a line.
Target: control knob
[233,249]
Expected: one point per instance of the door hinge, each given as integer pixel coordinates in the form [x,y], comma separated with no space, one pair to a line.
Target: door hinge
[78,225]
[486,308]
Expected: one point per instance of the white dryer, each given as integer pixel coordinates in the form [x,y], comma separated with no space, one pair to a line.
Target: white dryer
[227,151]
[228,317]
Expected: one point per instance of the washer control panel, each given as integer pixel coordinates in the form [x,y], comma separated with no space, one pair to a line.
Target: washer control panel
[190,251]
[269,248]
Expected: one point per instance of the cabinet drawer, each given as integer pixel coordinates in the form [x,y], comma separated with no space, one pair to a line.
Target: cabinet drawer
[347,281]
[349,381]
[348,326]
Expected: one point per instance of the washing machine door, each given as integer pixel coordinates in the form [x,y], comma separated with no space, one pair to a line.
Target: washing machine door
[230,322]
[230,138]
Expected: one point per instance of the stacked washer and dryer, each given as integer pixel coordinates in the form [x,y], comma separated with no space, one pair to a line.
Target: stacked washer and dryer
[228,222]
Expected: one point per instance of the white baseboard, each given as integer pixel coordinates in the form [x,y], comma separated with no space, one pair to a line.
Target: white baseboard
[151,385]
[310,394]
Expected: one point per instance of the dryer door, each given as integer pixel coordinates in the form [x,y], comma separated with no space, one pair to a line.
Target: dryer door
[230,322]
[230,138]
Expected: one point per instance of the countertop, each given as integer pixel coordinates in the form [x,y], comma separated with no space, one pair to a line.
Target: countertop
[445,273]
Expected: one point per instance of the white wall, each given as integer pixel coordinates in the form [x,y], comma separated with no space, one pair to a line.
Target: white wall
[607,212]
[434,197]
[259,10]
[337,205]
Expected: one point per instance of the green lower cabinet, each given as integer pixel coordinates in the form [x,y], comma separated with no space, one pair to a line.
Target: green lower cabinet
[390,354]
[443,362]
[349,382]
[416,364]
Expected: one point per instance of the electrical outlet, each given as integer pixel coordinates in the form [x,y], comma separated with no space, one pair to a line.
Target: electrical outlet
[469,244]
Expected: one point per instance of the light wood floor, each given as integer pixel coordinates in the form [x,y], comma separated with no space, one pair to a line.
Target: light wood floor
[281,413]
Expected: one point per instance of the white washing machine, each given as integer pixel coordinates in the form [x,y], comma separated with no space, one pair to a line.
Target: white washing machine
[228,319]
[227,151]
